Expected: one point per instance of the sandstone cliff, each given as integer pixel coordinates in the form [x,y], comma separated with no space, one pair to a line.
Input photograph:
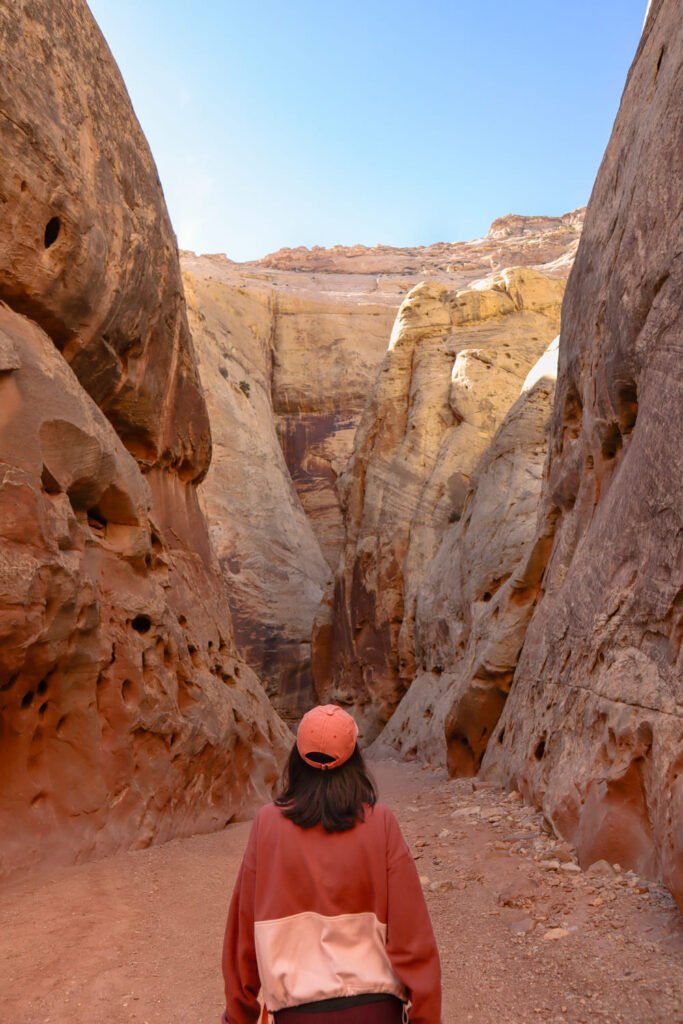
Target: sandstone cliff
[476,598]
[289,349]
[593,727]
[126,715]
[268,553]
[456,362]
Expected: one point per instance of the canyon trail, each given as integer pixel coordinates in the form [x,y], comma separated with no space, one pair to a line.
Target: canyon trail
[524,935]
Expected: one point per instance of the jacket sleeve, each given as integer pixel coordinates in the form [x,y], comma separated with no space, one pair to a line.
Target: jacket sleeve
[411,944]
[240,969]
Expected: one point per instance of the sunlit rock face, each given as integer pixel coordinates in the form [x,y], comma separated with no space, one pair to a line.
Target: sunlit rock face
[126,716]
[593,727]
[456,362]
[289,349]
[478,593]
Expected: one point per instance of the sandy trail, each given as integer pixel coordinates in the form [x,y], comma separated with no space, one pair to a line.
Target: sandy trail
[524,936]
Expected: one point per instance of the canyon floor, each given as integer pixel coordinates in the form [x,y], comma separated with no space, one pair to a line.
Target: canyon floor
[525,936]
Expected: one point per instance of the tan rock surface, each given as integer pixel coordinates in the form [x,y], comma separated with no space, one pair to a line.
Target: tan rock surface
[455,364]
[125,715]
[317,340]
[306,343]
[593,728]
[474,603]
[330,313]
[269,555]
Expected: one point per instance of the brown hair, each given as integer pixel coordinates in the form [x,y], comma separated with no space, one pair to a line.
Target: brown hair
[335,798]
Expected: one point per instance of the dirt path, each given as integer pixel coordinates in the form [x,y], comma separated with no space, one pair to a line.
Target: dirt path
[524,935]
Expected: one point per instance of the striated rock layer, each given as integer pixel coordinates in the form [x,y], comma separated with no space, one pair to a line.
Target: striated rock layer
[593,727]
[456,362]
[126,717]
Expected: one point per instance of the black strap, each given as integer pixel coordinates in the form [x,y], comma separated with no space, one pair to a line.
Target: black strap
[338,1003]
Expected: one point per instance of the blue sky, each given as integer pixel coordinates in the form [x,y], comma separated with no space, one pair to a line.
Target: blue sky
[303,123]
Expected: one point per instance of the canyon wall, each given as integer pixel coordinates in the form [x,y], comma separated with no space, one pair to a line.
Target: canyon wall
[593,728]
[126,715]
[477,594]
[268,552]
[289,348]
[456,362]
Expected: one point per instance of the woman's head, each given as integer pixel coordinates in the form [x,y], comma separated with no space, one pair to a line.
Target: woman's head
[326,780]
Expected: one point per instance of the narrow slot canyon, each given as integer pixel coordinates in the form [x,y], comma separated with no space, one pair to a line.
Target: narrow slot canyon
[440,486]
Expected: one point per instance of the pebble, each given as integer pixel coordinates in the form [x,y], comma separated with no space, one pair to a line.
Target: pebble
[555,933]
[600,868]
[523,927]
[441,885]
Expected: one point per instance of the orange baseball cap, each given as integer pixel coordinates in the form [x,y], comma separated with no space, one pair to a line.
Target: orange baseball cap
[329,731]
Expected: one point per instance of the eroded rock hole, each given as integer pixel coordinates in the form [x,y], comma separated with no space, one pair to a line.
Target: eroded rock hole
[572,413]
[27,699]
[128,691]
[42,687]
[96,521]
[627,397]
[52,229]
[611,441]
[50,485]
[141,623]
[539,752]
[43,708]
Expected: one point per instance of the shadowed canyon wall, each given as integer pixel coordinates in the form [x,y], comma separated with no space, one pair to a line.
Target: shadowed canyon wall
[126,716]
[561,586]
[593,728]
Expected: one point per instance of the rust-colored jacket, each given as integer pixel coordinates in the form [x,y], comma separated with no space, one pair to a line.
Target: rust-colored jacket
[316,915]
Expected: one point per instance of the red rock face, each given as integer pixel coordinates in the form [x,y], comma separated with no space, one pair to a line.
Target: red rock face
[593,728]
[125,715]
[87,250]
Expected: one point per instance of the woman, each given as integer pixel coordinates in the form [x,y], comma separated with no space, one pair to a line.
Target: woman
[327,917]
